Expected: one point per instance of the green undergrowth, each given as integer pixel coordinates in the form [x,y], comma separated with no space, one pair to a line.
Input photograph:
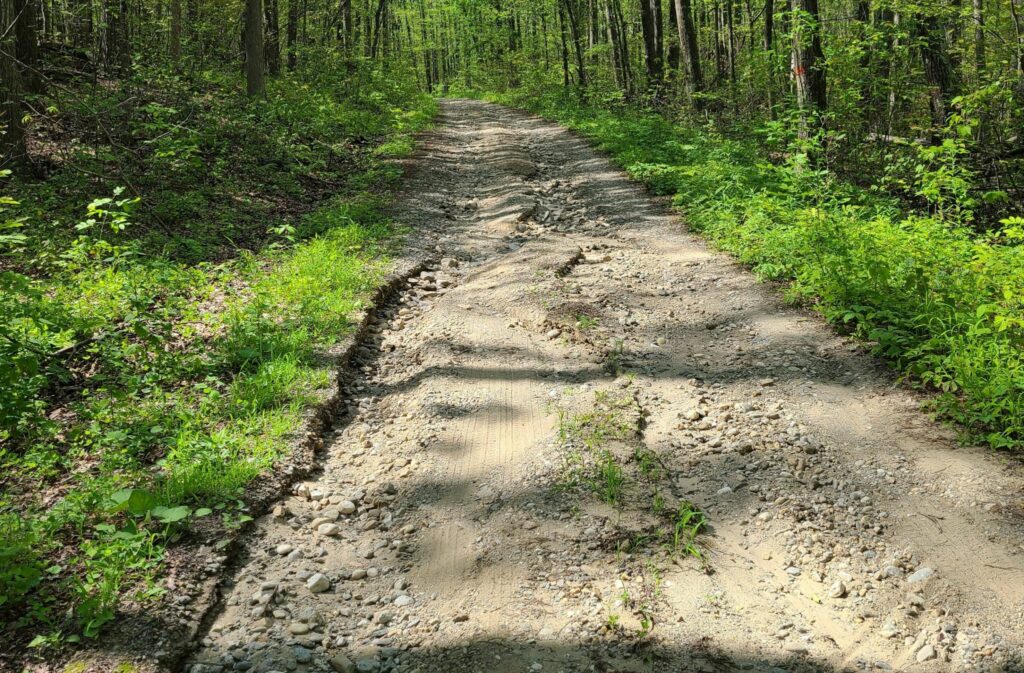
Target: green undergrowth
[943,304]
[146,378]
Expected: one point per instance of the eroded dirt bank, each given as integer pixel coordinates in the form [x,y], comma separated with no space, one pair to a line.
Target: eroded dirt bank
[537,409]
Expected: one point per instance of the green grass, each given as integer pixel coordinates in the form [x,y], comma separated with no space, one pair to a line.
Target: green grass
[143,387]
[943,304]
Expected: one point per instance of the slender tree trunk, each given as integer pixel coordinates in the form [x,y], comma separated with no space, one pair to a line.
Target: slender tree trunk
[114,46]
[26,35]
[175,47]
[807,61]
[254,81]
[673,38]
[577,40]
[688,47]
[938,70]
[768,38]
[346,22]
[272,37]
[978,16]
[565,46]
[378,27]
[12,140]
[293,34]
[649,26]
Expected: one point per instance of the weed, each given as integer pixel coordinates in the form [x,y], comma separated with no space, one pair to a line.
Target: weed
[688,523]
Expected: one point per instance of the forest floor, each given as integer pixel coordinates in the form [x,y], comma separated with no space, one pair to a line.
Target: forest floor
[533,415]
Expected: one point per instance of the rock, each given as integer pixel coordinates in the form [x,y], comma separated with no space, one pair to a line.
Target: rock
[347,507]
[342,664]
[920,575]
[318,583]
[283,549]
[553,334]
[837,590]
[302,655]
[404,601]
[298,629]
[925,653]
[793,571]
[366,666]
[329,529]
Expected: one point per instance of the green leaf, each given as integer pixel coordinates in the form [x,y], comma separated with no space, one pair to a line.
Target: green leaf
[135,501]
[171,514]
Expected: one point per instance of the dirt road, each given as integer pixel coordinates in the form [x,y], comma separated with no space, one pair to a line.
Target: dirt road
[535,412]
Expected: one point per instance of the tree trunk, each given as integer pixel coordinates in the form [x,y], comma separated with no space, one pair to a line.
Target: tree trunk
[175,47]
[293,34]
[938,70]
[378,27]
[650,27]
[688,46]
[565,45]
[808,65]
[673,38]
[114,39]
[12,140]
[769,25]
[254,82]
[272,37]
[978,15]
[577,40]
[26,35]
[347,28]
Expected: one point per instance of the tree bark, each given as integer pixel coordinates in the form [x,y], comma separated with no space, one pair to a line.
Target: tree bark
[26,36]
[272,37]
[574,31]
[688,47]
[175,46]
[978,16]
[293,34]
[673,38]
[254,81]
[650,27]
[807,62]
[12,140]
[938,70]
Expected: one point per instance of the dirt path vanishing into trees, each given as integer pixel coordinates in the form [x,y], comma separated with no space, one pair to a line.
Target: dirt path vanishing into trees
[532,416]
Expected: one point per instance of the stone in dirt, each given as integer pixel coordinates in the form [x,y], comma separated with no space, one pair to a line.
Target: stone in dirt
[342,664]
[925,653]
[318,583]
[920,575]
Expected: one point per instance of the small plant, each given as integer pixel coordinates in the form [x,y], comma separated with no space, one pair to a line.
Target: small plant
[610,479]
[585,322]
[688,524]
